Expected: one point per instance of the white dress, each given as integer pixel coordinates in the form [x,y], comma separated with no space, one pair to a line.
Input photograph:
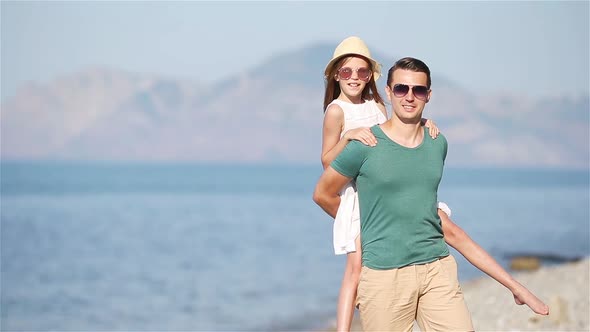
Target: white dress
[347,225]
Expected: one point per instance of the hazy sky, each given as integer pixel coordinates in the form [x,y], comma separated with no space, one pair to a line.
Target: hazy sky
[535,48]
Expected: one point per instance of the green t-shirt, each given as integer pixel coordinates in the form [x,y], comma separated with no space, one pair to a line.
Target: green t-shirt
[397,188]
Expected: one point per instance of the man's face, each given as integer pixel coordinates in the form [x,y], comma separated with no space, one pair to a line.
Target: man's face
[408,94]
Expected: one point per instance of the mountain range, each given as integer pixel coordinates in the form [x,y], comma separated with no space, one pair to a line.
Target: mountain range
[269,113]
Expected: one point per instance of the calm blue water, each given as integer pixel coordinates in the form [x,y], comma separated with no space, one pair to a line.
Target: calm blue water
[137,247]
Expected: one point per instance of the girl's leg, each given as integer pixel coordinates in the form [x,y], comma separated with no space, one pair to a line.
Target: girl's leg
[478,257]
[347,296]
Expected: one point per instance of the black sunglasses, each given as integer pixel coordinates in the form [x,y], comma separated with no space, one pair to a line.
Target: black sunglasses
[419,91]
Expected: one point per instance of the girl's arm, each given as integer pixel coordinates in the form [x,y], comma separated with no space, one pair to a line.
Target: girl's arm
[478,257]
[332,144]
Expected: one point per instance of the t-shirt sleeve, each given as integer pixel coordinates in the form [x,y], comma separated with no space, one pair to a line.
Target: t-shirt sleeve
[350,160]
[445,147]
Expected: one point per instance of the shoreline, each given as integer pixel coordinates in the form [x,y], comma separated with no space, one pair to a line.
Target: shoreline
[564,287]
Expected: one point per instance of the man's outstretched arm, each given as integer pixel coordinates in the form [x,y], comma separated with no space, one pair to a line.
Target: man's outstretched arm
[481,259]
[327,190]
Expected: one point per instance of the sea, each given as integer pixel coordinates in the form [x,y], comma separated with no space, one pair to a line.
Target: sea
[99,246]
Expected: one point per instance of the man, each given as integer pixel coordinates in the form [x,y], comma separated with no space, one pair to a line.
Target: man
[407,271]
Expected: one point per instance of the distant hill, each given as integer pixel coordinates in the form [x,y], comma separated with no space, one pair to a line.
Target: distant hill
[270,113]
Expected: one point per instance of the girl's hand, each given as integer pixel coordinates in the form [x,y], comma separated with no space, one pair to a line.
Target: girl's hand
[432,128]
[363,135]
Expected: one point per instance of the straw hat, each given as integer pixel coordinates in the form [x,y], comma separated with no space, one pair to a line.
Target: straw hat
[349,46]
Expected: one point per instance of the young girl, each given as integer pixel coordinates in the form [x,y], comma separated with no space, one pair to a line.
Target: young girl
[352,105]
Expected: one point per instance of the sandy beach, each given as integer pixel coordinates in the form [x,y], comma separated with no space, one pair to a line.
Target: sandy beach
[565,288]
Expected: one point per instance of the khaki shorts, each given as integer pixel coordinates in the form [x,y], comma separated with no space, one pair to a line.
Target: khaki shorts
[390,300]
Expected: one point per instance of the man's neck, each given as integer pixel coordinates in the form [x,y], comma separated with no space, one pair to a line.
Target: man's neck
[405,133]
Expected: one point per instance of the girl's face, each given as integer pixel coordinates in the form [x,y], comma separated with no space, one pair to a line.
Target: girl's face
[353,76]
